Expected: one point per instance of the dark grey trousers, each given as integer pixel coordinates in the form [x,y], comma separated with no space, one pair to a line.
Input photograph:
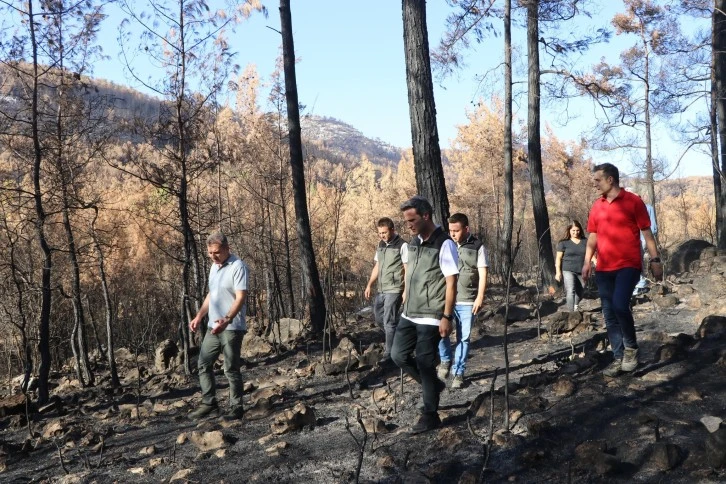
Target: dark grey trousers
[386,310]
[229,343]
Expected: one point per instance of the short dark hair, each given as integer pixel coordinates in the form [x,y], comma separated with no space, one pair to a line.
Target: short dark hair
[608,169]
[217,238]
[421,204]
[385,222]
[459,218]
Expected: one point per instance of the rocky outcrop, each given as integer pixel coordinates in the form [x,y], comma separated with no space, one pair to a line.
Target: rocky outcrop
[685,254]
[286,331]
[254,346]
[165,355]
[297,418]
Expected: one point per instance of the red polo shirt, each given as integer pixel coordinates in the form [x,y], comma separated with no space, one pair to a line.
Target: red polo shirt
[618,225]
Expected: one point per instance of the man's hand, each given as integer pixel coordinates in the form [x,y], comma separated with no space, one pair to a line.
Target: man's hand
[558,277]
[445,327]
[477,305]
[657,269]
[586,270]
[194,324]
[367,293]
[220,325]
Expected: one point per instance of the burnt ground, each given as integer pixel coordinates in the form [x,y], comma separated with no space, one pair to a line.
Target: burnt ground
[567,423]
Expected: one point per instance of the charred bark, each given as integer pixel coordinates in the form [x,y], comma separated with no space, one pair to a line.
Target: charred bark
[719,79]
[430,180]
[534,149]
[314,290]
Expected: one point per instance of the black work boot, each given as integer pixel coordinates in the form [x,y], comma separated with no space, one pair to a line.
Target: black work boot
[204,410]
[426,422]
[234,413]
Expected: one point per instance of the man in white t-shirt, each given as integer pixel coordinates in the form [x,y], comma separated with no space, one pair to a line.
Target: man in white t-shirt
[428,306]
[226,306]
[470,289]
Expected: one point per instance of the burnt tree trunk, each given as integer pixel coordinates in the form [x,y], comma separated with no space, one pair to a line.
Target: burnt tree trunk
[314,292]
[649,169]
[65,172]
[506,240]
[110,346]
[40,218]
[422,110]
[182,154]
[534,149]
[719,79]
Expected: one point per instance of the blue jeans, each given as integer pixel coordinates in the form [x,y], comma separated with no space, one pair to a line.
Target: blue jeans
[573,288]
[462,319]
[616,288]
[423,340]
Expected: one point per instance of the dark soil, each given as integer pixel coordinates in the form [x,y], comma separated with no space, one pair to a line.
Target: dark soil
[558,400]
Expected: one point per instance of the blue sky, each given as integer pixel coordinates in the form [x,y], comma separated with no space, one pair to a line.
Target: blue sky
[351,67]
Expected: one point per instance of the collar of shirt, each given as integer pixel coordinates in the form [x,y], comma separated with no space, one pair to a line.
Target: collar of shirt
[432,233]
[392,240]
[227,261]
[468,239]
[621,194]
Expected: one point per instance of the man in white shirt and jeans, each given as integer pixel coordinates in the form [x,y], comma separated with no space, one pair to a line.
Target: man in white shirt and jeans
[470,289]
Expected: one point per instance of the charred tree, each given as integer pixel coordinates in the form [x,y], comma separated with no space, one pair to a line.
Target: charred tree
[719,100]
[534,148]
[314,290]
[422,110]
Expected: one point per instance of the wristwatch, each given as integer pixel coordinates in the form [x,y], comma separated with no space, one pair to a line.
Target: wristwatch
[450,317]
[656,260]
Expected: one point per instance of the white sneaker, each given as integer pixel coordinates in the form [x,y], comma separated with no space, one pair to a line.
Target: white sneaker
[576,308]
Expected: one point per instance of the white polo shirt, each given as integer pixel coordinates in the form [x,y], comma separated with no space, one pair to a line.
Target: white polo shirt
[224,281]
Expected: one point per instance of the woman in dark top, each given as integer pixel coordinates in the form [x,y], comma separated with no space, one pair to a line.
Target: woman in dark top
[570,258]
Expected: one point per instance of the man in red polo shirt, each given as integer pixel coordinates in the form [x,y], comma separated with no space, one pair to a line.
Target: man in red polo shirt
[616,221]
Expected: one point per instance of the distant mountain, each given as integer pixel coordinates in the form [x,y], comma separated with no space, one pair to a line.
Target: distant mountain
[333,136]
[324,136]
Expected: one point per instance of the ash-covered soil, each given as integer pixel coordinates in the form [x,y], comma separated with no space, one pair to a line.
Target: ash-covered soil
[305,418]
